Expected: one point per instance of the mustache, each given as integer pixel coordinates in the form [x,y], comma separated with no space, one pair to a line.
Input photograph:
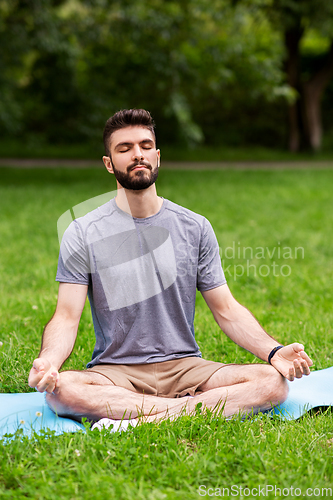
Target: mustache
[136,163]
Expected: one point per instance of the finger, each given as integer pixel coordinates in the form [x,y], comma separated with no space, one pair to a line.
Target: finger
[48,382]
[47,386]
[51,387]
[305,367]
[54,383]
[306,357]
[297,347]
[291,374]
[35,377]
[298,369]
[38,364]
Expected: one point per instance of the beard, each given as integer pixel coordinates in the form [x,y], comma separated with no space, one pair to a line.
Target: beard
[141,179]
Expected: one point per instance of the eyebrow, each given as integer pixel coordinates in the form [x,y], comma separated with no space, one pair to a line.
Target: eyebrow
[144,141]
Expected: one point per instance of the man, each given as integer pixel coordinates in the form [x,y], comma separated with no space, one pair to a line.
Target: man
[141,258]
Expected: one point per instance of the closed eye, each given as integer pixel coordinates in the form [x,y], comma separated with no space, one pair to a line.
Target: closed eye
[126,146]
[147,144]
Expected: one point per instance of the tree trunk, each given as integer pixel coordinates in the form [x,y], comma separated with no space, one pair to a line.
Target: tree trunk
[304,114]
[292,38]
[312,94]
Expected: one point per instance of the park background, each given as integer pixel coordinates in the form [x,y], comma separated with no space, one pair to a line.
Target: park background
[242,92]
[223,74]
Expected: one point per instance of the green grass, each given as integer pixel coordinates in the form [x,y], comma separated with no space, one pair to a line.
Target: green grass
[171,461]
[11,148]
[255,209]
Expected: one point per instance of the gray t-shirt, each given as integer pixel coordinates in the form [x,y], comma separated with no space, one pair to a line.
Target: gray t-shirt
[142,276]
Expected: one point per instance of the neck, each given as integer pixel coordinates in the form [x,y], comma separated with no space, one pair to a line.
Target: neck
[140,204]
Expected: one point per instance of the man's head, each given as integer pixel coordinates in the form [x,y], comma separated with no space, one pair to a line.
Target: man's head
[127,118]
[130,145]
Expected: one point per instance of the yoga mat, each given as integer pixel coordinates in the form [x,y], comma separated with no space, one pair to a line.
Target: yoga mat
[29,411]
[306,393]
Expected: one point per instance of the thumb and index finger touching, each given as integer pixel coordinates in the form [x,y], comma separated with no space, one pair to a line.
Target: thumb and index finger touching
[41,364]
[43,375]
[299,350]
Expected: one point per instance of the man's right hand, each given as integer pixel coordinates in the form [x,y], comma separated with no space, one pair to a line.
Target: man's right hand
[43,376]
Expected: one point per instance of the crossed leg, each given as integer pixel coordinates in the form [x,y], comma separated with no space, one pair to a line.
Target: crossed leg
[237,388]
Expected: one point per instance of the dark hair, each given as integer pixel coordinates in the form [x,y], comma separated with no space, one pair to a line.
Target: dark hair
[127,118]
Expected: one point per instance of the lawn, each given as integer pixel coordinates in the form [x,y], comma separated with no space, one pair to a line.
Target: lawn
[276,243]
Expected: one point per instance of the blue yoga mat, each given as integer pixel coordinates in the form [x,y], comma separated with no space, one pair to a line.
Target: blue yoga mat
[30,412]
[313,391]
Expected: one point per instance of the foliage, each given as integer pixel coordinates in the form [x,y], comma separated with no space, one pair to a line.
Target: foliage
[312,14]
[198,67]
[30,33]
[209,72]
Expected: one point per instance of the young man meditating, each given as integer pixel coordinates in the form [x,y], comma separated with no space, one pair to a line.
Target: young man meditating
[141,258]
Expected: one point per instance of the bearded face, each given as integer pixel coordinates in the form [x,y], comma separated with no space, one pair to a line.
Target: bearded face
[139,175]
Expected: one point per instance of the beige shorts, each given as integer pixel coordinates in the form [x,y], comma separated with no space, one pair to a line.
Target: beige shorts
[169,379]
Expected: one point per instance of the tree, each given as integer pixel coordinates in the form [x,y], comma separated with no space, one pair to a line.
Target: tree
[196,65]
[295,19]
[36,69]
[206,70]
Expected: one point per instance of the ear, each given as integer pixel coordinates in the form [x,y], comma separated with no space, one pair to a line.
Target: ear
[108,164]
[158,158]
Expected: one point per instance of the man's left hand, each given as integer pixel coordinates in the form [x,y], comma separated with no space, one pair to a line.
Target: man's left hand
[291,361]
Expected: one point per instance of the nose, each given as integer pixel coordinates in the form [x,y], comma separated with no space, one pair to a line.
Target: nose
[137,153]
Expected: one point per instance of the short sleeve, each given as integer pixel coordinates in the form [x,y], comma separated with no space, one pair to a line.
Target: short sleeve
[210,273]
[73,264]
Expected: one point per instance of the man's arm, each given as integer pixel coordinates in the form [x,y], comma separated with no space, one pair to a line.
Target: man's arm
[241,326]
[58,337]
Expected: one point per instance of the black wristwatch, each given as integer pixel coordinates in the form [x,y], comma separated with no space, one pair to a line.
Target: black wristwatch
[273,351]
